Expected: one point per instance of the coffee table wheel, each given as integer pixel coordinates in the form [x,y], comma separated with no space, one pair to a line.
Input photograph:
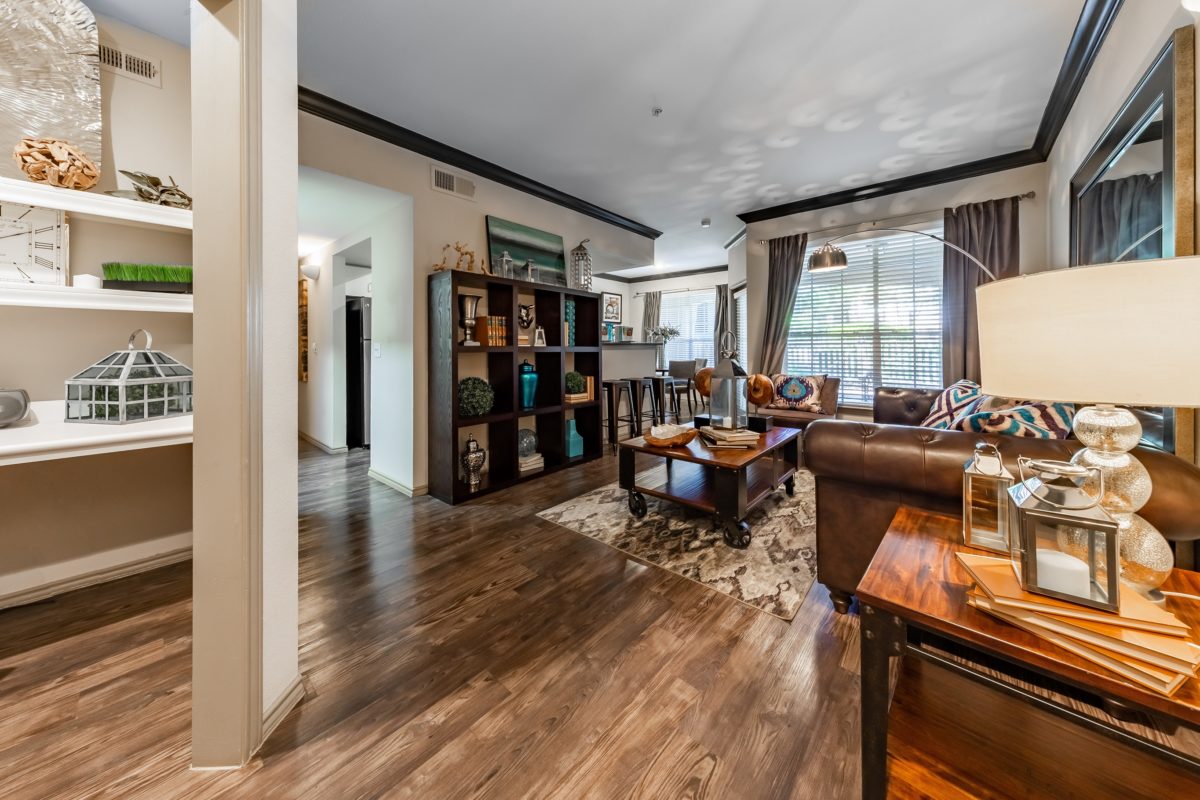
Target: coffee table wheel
[737,534]
[789,486]
[637,504]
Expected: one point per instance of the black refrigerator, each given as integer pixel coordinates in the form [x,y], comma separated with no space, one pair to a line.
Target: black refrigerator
[358,372]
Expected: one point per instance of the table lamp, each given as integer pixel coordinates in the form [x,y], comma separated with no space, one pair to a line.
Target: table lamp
[1126,333]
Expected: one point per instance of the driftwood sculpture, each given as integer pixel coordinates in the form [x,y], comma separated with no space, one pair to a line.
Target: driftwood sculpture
[465,262]
[56,163]
[149,189]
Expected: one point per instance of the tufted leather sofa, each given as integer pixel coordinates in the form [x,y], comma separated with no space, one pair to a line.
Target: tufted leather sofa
[866,471]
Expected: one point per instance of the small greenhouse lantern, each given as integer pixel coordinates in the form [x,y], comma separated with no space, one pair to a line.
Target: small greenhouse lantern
[130,386]
[986,482]
[728,399]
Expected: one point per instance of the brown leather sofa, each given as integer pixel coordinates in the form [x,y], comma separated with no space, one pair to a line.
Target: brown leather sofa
[865,471]
[787,418]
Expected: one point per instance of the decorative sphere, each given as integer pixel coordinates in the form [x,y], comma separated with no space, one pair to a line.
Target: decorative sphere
[1127,484]
[1108,428]
[759,389]
[1146,558]
[703,381]
[527,441]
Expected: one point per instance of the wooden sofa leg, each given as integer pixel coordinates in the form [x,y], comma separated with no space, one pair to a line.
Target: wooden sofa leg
[841,600]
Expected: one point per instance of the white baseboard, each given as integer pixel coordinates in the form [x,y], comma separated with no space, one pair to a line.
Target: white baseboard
[39,583]
[411,491]
[287,700]
[333,451]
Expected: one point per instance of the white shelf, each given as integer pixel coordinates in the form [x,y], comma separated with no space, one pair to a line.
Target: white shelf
[44,435]
[95,206]
[16,294]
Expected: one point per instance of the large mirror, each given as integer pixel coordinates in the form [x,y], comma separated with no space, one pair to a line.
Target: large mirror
[1134,196]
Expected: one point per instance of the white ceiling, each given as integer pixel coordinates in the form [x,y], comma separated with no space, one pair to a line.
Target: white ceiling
[763,101]
[166,18]
[332,207]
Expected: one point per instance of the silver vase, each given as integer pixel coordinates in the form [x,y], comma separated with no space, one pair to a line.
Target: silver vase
[473,458]
[468,304]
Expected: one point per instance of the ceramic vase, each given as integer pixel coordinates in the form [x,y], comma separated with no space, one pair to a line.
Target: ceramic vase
[473,458]
[529,381]
[574,441]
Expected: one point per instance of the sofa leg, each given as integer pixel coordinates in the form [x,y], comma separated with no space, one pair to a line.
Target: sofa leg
[841,601]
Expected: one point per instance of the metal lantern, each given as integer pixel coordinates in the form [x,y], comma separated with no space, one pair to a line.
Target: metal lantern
[986,482]
[581,267]
[1064,544]
[130,386]
[728,400]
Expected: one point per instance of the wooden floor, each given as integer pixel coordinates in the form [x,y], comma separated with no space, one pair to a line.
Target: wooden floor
[447,652]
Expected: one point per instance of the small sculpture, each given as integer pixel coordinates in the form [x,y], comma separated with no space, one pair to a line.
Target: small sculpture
[465,262]
[525,315]
[150,189]
[56,163]
[473,458]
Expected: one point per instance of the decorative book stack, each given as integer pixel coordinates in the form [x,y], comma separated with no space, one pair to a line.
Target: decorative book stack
[579,397]
[493,330]
[722,438]
[531,463]
[1143,643]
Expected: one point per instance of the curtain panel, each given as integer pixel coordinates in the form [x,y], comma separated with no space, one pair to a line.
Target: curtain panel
[785,265]
[990,231]
[1121,219]
[724,319]
[651,312]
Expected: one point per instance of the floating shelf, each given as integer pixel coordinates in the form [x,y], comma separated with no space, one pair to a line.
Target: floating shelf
[44,435]
[95,206]
[15,294]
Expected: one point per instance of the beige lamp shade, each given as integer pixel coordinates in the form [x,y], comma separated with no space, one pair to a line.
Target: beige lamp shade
[1126,333]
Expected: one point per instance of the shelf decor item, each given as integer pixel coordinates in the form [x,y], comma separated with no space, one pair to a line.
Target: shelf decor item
[56,163]
[661,336]
[171,278]
[130,385]
[33,245]
[539,336]
[504,266]
[574,441]
[542,256]
[468,304]
[151,189]
[610,308]
[14,405]
[1063,544]
[475,397]
[581,267]
[986,482]
[529,381]
[473,459]
[728,393]
[576,388]
[569,313]
[527,442]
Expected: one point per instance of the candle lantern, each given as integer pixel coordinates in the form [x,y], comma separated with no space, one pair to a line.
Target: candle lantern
[581,267]
[130,385]
[1064,545]
[986,482]
[728,399]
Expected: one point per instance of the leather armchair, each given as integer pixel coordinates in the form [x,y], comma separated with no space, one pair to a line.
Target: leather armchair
[866,471]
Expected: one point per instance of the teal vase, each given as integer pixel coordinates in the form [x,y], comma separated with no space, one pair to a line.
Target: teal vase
[528,385]
[574,441]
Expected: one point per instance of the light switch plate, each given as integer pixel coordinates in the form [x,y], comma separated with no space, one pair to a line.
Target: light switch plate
[378,350]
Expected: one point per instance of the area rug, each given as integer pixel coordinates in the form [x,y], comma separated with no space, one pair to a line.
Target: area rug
[773,574]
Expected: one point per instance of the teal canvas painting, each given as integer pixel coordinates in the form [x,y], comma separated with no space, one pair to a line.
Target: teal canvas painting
[524,244]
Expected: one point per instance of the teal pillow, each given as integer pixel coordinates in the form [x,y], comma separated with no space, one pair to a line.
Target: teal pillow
[1030,418]
[950,403]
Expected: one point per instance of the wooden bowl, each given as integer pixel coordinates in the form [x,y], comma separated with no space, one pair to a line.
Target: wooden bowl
[680,440]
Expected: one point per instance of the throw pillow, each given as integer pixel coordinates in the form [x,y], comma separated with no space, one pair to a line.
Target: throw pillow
[950,403]
[1027,418]
[798,392]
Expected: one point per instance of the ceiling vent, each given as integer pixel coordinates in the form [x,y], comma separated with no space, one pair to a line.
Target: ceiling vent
[139,68]
[449,183]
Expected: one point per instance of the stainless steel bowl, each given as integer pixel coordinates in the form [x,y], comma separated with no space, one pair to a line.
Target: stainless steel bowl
[14,405]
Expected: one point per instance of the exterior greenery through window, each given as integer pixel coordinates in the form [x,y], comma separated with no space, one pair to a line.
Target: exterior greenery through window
[876,323]
[693,313]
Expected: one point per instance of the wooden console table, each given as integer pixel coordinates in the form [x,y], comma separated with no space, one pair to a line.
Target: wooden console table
[913,604]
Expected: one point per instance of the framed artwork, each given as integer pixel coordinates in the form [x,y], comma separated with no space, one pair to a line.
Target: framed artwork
[302,333]
[524,245]
[610,307]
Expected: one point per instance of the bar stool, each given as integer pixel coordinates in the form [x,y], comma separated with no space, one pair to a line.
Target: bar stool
[613,389]
[660,388]
[642,387]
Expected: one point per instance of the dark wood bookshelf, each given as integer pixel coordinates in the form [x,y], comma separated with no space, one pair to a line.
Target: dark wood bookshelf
[502,369]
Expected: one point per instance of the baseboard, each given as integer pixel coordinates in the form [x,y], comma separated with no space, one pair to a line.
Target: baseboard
[287,700]
[39,583]
[411,491]
[333,451]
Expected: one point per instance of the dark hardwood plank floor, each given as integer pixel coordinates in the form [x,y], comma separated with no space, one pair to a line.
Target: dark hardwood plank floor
[475,651]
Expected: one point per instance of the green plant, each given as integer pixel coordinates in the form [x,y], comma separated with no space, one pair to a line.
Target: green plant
[663,333]
[575,383]
[475,397]
[149,273]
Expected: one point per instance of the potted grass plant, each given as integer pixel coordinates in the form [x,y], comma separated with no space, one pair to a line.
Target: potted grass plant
[171,278]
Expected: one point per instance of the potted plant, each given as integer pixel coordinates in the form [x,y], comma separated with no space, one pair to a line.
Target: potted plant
[662,334]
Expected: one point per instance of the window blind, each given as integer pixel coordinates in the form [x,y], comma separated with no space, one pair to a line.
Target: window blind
[694,314]
[739,325]
[876,323]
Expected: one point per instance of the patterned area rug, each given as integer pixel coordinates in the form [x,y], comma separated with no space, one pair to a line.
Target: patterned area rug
[773,574]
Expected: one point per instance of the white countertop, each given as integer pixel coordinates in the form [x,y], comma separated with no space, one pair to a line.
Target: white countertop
[44,435]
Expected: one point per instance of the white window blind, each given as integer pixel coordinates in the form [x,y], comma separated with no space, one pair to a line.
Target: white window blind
[694,314]
[740,326]
[876,323]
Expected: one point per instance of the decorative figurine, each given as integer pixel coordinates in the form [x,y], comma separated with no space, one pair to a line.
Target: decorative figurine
[473,458]
[524,315]
[465,262]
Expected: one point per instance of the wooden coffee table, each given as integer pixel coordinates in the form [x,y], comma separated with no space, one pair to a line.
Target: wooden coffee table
[727,483]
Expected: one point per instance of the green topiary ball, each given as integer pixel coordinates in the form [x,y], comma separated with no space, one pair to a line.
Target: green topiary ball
[475,397]
[575,383]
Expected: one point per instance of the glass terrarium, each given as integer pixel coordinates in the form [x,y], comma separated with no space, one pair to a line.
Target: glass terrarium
[130,385]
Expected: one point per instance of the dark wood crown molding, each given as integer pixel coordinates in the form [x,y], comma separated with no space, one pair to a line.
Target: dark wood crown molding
[1095,20]
[320,105]
[662,276]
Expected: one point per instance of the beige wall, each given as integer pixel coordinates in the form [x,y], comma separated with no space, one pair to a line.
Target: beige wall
[636,305]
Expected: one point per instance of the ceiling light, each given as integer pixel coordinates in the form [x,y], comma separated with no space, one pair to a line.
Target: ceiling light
[706,222]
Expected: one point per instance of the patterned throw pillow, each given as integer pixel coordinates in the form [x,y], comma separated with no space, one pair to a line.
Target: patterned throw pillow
[798,393]
[950,403]
[1026,418]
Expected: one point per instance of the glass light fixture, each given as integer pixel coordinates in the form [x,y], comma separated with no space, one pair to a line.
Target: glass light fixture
[130,385]
[729,407]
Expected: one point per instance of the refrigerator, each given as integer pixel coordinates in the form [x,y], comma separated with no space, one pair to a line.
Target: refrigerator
[358,372]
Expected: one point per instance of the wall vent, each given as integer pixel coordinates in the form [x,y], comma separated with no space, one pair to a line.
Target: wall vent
[449,183]
[139,68]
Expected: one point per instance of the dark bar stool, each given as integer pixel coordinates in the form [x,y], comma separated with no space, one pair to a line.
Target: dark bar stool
[613,389]
[660,387]
[641,388]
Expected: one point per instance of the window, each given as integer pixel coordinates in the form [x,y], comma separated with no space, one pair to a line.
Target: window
[876,323]
[694,314]
[739,325]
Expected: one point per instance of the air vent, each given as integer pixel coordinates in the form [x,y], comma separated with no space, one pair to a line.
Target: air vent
[449,183]
[139,68]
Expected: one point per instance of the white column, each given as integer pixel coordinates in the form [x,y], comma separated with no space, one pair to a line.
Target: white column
[244,655]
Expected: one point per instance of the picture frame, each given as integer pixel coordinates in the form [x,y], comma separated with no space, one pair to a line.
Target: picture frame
[610,307]
[525,244]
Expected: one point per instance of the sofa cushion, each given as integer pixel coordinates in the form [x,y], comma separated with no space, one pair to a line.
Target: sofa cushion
[1024,418]
[798,392]
[950,403]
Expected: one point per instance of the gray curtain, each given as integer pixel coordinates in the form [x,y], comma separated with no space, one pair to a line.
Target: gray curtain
[1113,215]
[785,265]
[651,308]
[724,321]
[990,231]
